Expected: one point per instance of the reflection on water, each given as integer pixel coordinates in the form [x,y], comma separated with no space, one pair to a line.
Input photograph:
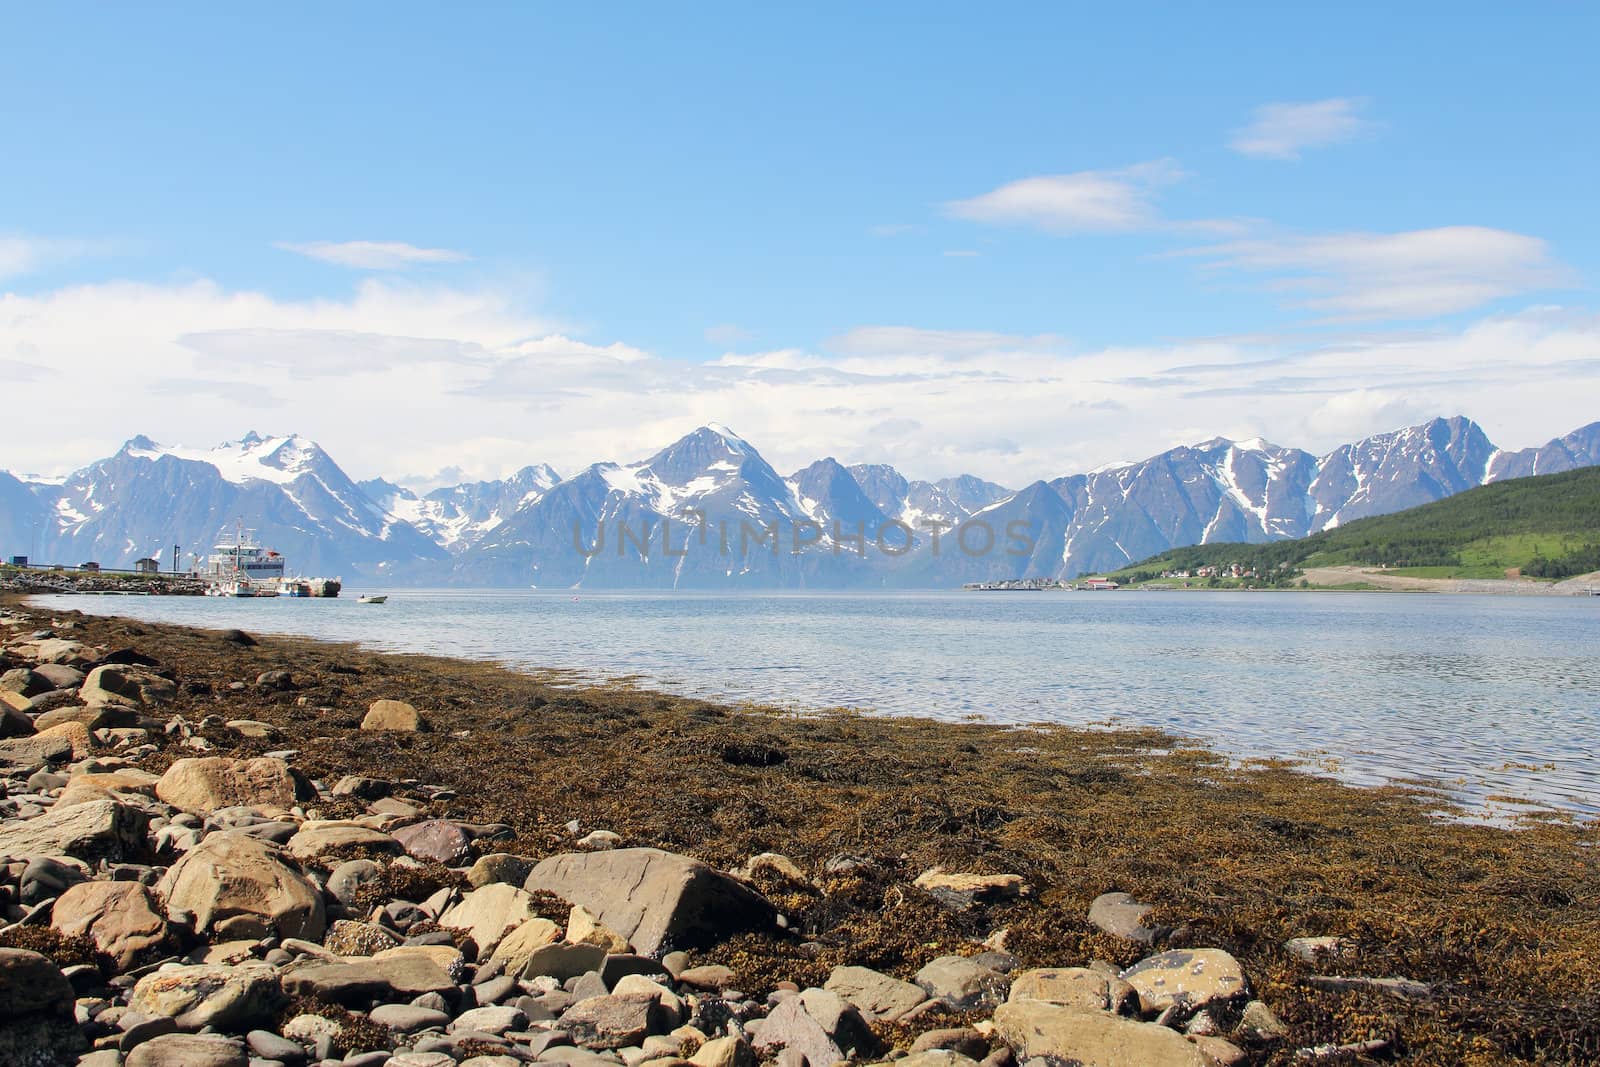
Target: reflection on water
[1479,696]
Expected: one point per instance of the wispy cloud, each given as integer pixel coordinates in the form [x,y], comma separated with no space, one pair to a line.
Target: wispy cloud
[373,255]
[20,255]
[1283,131]
[1407,275]
[1088,200]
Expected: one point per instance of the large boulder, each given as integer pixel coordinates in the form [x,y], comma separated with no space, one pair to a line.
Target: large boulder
[120,684]
[36,1024]
[247,883]
[30,983]
[1051,1033]
[99,829]
[208,994]
[201,786]
[122,918]
[393,715]
[1189,977]
[657,900]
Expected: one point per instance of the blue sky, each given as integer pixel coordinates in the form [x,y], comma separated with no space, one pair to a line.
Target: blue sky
[568,234]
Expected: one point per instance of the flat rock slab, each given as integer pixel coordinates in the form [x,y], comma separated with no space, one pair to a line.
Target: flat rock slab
[224,997]
[188,1050]
[318,836]
[1056,1034]
[99,829]
[357,981]
[439,840]
[1072,987]
[658,901]
[878,996]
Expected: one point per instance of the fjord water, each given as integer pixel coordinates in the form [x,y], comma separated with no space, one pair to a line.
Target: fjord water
[1481,697]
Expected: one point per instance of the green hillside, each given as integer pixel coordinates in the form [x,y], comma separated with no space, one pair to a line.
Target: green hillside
[1548,526]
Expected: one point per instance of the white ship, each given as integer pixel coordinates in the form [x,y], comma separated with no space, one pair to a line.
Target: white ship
[243,568]
[243,559]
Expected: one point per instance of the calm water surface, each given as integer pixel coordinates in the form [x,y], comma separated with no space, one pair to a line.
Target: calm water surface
[1480,696]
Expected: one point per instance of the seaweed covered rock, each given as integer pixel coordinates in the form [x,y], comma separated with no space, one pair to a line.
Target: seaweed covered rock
[122,918]
[658,901]
[36,1024]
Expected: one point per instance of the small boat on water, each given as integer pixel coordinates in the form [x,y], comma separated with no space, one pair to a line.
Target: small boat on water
[372,598]
[236,587]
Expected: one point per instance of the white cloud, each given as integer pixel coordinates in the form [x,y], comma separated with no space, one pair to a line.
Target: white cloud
[1413,274]
[949,344]
[1089,200]
[373,255]
[1283,131]
[421,378]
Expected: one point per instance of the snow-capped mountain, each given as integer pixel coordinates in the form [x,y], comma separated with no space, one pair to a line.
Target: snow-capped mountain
[706,510]
[948,500]
[1251,491]
[457,517]
[709,512]
[148,497]
[1580,448]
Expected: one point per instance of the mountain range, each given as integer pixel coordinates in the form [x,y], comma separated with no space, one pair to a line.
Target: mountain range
[708,511]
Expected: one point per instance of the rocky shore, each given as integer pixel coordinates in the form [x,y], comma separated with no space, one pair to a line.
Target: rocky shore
[219,849]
